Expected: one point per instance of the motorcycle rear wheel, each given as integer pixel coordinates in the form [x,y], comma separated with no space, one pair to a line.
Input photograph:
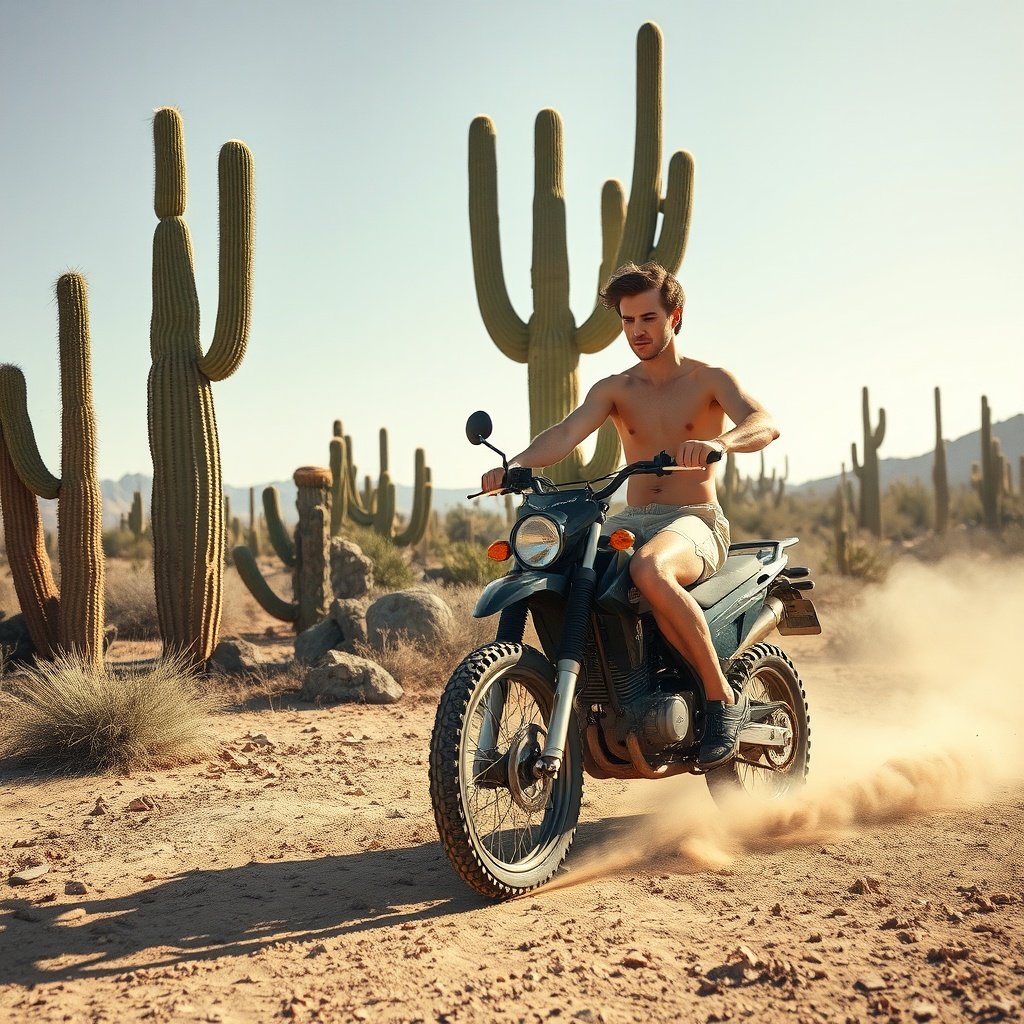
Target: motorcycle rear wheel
[765,674]
[504,832]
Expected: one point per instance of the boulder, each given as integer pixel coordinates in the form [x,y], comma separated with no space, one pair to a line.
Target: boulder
[350,616]
[313,643]
[344,677]
[351,570]
[417,614]
[235,656]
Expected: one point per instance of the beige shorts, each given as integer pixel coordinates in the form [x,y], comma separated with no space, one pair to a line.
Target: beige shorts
[704,525]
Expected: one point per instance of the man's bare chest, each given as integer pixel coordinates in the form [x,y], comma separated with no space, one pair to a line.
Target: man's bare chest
[668,414]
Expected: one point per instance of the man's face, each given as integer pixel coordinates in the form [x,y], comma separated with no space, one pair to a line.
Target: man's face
[648,328]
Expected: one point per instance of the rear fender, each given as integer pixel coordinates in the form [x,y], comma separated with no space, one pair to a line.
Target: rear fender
[515,587]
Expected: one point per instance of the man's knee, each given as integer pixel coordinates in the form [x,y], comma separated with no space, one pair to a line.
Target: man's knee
[656,570]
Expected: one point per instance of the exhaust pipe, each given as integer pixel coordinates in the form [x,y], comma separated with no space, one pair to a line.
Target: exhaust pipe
[767,620]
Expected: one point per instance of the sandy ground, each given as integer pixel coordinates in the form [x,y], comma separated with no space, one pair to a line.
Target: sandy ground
[297,874]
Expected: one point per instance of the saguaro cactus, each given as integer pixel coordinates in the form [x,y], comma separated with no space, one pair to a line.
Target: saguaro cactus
[990,478]
[939,474]
[136,520]
[73,620]
[187,508]
[868,473]
[375,506]
[842,526]
[550,342]
[309,555]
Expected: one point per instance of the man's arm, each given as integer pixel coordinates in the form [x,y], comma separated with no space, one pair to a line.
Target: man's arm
[555,443]
[754,429]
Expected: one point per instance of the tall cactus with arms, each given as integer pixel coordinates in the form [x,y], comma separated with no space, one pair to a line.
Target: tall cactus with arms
[868,473]
[72,621]
[187,509]
[550,343]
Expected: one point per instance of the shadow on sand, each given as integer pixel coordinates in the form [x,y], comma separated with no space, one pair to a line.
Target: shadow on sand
[211,914]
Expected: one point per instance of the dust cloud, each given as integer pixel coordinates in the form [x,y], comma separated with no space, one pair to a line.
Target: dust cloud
[915,706]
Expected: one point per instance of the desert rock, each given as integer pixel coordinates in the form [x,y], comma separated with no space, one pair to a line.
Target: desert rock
[345,677]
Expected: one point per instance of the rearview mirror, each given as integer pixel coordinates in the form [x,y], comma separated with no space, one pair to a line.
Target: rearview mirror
[478,427]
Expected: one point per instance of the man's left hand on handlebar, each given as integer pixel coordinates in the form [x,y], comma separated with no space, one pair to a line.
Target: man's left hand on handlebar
[694,454]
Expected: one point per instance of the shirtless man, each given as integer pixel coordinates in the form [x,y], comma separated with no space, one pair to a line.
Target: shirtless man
[668,401]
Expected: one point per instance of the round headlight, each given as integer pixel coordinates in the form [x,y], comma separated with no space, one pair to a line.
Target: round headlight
[537,541]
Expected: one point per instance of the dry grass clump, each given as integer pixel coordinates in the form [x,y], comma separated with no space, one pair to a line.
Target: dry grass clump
[423,667]
[64,715]
[130,600]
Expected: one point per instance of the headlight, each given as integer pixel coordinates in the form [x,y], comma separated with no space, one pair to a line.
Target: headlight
[537,541]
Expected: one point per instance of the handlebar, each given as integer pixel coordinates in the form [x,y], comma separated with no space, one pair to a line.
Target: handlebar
[521,478]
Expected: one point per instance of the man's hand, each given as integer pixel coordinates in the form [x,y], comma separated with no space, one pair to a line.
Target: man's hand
[494,479]
[694,454]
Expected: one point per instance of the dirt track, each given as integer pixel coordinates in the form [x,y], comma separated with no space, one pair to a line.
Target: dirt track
[302,878]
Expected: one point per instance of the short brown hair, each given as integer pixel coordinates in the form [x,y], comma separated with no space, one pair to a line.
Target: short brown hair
[630,279]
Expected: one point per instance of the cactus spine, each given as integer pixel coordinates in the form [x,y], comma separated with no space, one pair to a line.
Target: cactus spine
[939,474]
[309,553]
[868,473]
[73,620]
[187,508]
[550,343]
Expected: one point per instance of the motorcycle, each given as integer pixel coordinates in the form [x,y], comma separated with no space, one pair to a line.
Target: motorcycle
[517,727]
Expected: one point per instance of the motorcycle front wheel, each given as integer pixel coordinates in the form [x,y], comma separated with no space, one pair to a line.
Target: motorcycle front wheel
[766,675]
[504,831]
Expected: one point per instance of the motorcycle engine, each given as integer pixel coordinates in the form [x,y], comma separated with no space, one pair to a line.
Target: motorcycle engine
[666,720]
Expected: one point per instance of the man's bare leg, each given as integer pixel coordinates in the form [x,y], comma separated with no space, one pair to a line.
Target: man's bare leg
[660,569]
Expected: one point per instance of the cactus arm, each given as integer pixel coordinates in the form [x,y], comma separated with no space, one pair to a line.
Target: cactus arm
[383,518]
[422,492]
[339,485]
[600,329]
[19,436]
[80,512]
[504,326]
[276,529]
[26,554]
[644,197]
[287,611]
[676,210]
[857,467]
[879,433]
[234,309]
[550,265]
[607,453]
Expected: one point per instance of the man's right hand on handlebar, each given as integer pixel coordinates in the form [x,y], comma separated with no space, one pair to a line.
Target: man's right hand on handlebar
[494,479]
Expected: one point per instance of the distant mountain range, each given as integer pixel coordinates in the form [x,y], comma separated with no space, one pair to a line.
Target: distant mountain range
[117,494]
[960,454]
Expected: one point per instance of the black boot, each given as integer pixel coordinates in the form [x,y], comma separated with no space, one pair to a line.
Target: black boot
[722,725]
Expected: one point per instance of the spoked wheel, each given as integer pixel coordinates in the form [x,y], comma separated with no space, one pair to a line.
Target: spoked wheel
[504,831]
[767,675]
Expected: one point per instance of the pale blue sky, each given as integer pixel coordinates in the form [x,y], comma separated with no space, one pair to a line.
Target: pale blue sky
[857,218]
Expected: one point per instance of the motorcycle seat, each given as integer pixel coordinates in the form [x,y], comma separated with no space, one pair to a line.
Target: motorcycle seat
[736,570]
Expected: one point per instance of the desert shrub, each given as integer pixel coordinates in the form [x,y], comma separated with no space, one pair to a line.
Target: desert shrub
[908,509]
[130,600]
[64,714]
[391,569]
[465,562]
[423,668]
[462,524]
[866,558]
[124,544]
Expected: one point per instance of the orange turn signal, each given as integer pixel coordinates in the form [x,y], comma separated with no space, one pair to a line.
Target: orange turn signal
[500,551]
[620,540]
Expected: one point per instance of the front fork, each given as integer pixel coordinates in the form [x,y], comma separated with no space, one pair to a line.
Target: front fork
[577,621]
